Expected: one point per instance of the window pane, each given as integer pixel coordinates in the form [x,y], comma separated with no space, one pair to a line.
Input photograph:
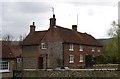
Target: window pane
[71,59]
[43,45]
[81,57]
[71,47]
[4,65]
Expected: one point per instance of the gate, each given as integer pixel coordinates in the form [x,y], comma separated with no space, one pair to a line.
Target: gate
[17,74]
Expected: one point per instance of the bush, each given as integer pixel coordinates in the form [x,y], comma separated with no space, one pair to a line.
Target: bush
[100,59]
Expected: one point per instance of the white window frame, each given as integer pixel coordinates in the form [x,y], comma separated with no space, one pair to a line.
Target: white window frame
[2,66]
[93,49]
[71,58]
[71,47]
[81,48]
[43,46]
[81,56]
[98,50]
[18,60]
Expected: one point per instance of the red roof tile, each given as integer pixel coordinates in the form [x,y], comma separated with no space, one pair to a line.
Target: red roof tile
[89,39]
[71,36]
[16,50]
[6,52]
[65,34]
[35,38]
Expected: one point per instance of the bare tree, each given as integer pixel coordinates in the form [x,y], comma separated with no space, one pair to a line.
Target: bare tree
[7,37]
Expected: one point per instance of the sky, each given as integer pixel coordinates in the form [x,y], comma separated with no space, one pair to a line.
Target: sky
[94,16]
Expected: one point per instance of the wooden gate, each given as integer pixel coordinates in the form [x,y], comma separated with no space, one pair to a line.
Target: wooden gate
[17,74]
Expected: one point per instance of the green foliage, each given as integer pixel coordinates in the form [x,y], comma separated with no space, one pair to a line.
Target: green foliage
[112,47]
[100,59]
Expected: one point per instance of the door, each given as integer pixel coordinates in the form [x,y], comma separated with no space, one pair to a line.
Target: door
[40,63]
[88,60]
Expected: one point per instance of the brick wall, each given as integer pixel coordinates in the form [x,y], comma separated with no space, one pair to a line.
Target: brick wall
[87,50]
[76,53]
[72,73]
[30,57]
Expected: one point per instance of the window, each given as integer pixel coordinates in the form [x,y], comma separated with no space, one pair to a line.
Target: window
[81,57]
[71,59]
[98,50]
[18,60]
[93,50]
[4,66]
[71,47]
[43,46]
[81,48]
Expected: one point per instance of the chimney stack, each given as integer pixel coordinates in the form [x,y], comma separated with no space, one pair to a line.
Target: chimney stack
[32,28]
[74,27]
[52,21]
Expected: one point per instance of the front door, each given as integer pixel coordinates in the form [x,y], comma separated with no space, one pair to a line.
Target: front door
[88,60]
[40,63]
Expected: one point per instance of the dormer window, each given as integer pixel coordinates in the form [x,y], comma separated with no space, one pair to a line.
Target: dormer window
[71,47]
[43,46]
[81,48]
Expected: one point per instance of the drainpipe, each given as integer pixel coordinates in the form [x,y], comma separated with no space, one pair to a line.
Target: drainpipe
[46,60]
[63,55]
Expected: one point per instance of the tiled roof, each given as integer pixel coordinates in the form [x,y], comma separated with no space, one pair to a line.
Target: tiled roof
[6,52]
[35,38]
[72,36]
[66,35]
[16,50]
[89,39]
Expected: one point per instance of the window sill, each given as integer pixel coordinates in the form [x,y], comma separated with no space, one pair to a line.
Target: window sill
[3,71]
[71,50]
[81,50]
[43,48]
[71,62]
[81,61]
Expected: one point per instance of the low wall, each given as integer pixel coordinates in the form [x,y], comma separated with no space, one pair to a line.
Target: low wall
[106,66]
[72,73]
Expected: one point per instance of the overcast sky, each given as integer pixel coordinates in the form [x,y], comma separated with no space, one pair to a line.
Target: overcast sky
[94,16]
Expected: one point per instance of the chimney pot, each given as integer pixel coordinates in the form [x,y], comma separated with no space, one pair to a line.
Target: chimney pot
[32,28]
[74,27]
[33,23]
[52,21]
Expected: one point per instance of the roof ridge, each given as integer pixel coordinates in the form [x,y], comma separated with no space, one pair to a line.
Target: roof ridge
[42,31]
[64,28]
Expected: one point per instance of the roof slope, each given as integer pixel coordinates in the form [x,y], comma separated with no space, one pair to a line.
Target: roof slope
[68,35]
[65,35]
[6,52]
[72,36]
[89,39]
[35,38]
[16,50]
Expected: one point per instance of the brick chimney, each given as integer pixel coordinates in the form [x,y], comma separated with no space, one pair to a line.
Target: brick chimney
[32,28]
[74,27]
[52,21]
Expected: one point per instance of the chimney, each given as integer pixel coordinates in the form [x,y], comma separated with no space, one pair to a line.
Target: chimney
[74,27]
[52,21]
[32,28]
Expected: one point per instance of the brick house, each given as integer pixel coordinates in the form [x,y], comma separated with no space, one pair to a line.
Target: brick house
[58,47]
[9,59]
